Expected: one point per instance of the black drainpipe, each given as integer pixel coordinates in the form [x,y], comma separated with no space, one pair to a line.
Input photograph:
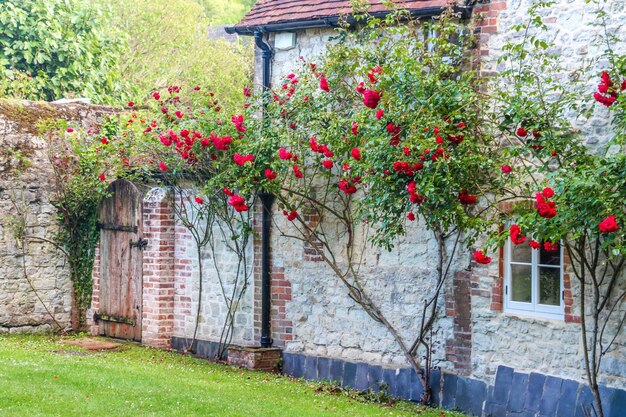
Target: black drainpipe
[267,200]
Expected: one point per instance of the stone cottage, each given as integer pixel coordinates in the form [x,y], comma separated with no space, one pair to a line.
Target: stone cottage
[499,353]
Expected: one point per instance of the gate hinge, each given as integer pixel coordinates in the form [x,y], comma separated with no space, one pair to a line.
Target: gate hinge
[104,317]
[141,243]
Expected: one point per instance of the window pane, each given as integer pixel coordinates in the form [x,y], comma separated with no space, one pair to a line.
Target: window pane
[550,286]
[521,253]
[549,258]
[521,283]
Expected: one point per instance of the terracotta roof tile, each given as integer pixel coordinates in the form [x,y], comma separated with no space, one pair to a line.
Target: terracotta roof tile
[281,11]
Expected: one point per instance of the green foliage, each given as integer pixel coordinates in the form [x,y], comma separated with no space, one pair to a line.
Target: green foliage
[169,46]
[59,48]
[77,196]
[222,12]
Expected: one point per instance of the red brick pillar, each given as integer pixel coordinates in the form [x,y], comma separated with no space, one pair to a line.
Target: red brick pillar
[158,269]
[95,295]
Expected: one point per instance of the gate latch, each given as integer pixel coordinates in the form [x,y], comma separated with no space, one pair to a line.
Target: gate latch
[140,244]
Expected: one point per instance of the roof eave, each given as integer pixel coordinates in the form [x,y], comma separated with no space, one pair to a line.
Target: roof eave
[333,22]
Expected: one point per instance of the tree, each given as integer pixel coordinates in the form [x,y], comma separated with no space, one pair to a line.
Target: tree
[59,48]
[169,46]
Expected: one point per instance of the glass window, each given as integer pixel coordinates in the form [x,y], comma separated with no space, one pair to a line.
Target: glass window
[533,281]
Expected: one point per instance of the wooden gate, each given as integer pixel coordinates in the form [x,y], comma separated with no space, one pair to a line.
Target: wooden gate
[121,262]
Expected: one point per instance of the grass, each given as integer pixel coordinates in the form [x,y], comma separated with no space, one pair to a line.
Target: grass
[40,376]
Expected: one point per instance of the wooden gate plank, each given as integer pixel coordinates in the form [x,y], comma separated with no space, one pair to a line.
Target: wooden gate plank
[121,288]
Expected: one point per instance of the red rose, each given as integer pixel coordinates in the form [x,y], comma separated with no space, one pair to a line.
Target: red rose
[356,154]
[371,99]
[228,192]
[411,216]
[247,91]
[548,192]
[355,128]
[380,113]
[292,215]
[467,199]
[516,235]
[284,154]
[521,132]
[238,203]
[70,130]
[156,95]
[551,247]
[608,225]
[104,140]
[327,163]
[297,172]
[270,175]
[162,166]
[199,200]
[506,169]
[360,88]
[324,84]
[481,258]
[131,104]
[179,114]
[546,209]
[347,187]
[102,177]
[534,244]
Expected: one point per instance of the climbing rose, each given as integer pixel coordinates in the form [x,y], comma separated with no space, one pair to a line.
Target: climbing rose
[102,177]
[162,166]
[292,215]
[356,154]
[156,95]
[608,225]
[179,114]
[69,130]
[534,244]
[551,247]
[411,216]
[270,175]
[327,163]
[104,140]
[548,192]
[131,104]
[380,113]
[284,154]
[355,128]
[360,88]
[297,172]
[242,159]
[546,209]
[506,169]
[199,200]
[481,257]
[467,199]
[238,203]
[324,84]
[347,187]
[521,132]
[516,236]
[228,192]
[371,99]
[238,121]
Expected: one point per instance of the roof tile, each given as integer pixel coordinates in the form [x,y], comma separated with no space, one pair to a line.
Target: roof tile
[281,11]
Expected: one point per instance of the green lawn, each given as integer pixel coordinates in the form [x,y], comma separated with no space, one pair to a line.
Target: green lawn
[40,376]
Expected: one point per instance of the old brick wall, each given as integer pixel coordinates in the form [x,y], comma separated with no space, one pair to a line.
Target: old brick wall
[35,278]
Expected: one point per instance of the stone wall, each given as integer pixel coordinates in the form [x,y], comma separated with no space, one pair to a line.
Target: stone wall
[476,336]
[34,279]
[220,274]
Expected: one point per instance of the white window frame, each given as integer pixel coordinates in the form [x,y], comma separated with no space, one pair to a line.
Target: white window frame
[533,308]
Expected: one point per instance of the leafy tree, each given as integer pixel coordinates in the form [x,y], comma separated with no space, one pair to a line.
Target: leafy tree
[51,49]
[169,46]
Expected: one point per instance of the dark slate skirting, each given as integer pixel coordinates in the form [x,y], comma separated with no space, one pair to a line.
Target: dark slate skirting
[514,394]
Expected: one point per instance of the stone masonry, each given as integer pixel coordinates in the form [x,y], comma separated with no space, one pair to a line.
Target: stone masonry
[34,279]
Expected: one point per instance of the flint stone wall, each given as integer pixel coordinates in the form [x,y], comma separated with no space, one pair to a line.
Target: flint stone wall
[36,277]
